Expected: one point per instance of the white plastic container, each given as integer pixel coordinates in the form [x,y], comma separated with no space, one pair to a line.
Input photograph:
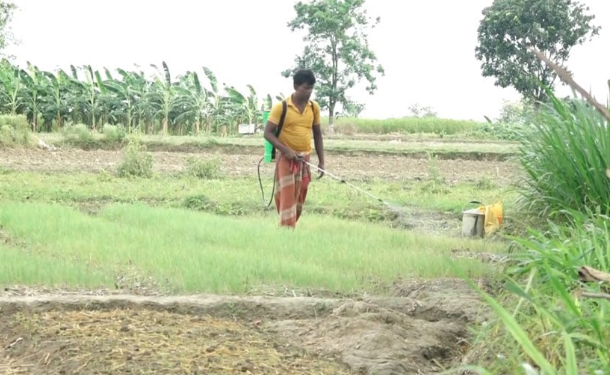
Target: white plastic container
[473,223]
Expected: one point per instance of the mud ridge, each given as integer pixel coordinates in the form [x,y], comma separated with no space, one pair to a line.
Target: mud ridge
[423,333]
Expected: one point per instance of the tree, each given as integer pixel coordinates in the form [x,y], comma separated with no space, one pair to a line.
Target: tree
[510,26]
[6,16]
[418,111]
[336,50]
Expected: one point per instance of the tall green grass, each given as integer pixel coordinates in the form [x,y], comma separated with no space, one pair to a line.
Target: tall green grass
[549,325]
[565,154]
[406,125]
[201,252]
[547,322]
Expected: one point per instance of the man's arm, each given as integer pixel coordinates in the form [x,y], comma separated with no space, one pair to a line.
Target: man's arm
[317,137]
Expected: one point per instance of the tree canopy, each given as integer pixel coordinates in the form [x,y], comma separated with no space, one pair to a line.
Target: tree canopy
[336,50]
[553,27]
[7,10]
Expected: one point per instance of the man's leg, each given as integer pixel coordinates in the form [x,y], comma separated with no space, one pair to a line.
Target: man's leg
[301,187]
[285,201]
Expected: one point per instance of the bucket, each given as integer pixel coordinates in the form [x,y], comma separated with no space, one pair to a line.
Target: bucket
[473,223]
[268,145]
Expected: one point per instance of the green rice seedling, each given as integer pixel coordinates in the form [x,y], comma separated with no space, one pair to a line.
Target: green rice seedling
[201,252]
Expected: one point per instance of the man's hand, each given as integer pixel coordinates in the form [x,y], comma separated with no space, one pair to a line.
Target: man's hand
[290,154]
[321,170]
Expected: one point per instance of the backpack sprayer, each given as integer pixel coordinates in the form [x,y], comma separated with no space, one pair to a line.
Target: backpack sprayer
[269,156]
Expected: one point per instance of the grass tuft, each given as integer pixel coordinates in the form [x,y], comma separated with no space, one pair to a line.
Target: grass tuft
[203,169]
[136,161]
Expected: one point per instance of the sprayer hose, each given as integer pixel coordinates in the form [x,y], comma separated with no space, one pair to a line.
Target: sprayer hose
[260,182]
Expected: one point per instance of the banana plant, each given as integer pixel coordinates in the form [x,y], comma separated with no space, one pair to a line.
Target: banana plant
[12,86]
[163,95]
[91,90]
[192,101]
[57,104]
[126,92]
[214,100]
[245,108]
[32,93]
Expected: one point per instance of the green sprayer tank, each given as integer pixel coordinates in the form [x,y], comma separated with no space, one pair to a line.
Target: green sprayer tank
[268,145]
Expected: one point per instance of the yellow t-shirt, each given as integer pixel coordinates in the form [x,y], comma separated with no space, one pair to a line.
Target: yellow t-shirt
[297,129]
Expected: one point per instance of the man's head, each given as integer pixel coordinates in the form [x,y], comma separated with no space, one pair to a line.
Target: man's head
[304,80]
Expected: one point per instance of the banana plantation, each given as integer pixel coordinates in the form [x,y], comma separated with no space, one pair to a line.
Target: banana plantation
[150,104]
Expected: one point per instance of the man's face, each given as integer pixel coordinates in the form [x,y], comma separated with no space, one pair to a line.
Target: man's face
[303,91]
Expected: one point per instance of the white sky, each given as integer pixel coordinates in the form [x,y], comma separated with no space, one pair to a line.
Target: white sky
[245,41]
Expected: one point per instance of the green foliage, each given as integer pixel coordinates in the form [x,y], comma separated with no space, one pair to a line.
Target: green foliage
[7,9]
[136,161]
[553,324]
[513,121]
[559,320]
[180,104]
[14,131]
[114,133]
[510,26]
[565,156]
[203,169]
[336,50]
[78,135]
[407,125]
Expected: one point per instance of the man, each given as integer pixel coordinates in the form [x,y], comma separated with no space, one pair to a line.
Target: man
[294,146]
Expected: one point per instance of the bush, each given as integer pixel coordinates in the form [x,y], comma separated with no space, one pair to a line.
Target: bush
[79,135]
[114,133]
[136,161]
[203,169]
[565,156]
[14,131]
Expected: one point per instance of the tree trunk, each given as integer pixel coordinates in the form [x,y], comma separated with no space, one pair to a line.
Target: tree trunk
[331,118]
[165,125]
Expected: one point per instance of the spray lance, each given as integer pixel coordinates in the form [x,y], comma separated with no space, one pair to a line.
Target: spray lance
[341,180]
[268,158]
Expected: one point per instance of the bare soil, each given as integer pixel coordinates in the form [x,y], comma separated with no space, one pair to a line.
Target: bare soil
[387,167]
[419,330]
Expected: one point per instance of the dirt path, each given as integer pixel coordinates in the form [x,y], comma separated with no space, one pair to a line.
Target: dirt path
[385,167]
[417,331]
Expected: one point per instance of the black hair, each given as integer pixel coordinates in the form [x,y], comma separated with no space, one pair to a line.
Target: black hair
[302,76]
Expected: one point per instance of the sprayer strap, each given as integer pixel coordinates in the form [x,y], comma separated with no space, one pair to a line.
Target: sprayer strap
[282,118]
